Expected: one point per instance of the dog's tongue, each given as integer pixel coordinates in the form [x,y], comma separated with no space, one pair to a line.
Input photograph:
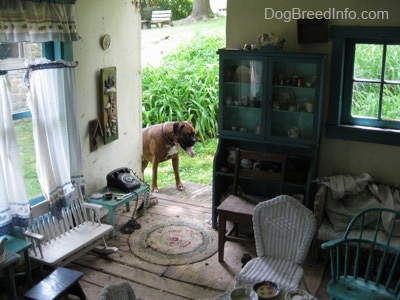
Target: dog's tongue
[190,151]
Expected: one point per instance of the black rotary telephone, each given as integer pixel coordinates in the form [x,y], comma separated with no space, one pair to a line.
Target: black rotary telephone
[122,179]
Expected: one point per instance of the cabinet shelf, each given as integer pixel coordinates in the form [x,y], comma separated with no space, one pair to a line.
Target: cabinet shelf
[240,83]
[240,107]
[283,111]
[293,87]
[250,79]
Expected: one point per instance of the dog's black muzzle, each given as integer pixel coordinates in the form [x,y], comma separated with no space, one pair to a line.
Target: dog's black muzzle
[188,141]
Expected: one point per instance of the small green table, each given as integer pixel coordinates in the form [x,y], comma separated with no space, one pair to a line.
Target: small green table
[8,267]
[118,199]
[21,246]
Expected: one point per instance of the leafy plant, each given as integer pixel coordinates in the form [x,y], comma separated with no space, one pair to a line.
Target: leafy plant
[368,66]
[185,87]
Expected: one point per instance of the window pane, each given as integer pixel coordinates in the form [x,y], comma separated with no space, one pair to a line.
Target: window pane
[8,50]
[391,102]
[14,58]
[368,61]
[19,90]
[23,130]
[392,68]
[365,101]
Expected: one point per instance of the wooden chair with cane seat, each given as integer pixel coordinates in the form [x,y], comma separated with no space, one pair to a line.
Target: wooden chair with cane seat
[238,208]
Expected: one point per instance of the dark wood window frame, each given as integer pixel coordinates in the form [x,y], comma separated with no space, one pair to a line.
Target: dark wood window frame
[344,39]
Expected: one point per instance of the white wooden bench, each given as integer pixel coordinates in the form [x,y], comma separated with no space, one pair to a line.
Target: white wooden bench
[58,242]
[161,17]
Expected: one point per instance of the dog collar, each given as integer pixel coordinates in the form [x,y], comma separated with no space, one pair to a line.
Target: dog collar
[167,139]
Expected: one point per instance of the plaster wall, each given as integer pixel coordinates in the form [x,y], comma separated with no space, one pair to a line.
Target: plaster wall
[247,19]
[121,20]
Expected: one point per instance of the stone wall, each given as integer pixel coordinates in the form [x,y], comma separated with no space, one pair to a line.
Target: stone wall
[16,74]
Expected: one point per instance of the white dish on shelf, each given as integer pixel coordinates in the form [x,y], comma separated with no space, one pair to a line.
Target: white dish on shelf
[243,74]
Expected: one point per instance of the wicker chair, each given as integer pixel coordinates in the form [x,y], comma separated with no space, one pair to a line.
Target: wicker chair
[238,209]
[366,265]
[118,291]
[283,231]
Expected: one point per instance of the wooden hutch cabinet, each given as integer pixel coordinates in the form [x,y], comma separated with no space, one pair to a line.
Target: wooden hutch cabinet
[269,101]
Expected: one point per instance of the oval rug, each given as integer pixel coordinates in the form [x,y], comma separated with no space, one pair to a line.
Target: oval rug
[174,242]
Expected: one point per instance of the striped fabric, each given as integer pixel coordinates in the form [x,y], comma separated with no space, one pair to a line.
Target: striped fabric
[283,231]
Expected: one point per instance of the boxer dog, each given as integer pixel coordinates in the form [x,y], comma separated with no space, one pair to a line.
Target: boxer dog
[162,142]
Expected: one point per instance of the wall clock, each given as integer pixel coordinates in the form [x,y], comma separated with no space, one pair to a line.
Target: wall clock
[105,41]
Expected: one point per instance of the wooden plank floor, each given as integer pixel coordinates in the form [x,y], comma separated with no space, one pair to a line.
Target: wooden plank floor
[202,280]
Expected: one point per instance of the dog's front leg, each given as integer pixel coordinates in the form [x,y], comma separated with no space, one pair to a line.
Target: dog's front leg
[154,185]
[175,166]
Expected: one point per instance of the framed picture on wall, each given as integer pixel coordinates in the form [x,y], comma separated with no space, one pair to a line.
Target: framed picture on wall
[312,31]
[109,104]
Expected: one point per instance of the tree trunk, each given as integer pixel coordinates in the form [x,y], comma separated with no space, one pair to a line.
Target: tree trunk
[201,10]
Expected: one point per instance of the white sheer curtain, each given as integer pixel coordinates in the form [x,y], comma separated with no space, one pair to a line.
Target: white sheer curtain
[53,104]
[14,204]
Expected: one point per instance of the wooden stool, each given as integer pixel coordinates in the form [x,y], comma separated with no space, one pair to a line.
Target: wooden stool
[59,283]
[238,211]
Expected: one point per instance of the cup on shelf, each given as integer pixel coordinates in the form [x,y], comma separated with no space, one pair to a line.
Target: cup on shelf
[228,100]
[294,132]
[246,163]
[309,106]
[245,101]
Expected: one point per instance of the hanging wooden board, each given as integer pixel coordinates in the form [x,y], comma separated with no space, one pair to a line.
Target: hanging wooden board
[109,104]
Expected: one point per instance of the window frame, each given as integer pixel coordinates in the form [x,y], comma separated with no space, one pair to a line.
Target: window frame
[52,51]
[343,40]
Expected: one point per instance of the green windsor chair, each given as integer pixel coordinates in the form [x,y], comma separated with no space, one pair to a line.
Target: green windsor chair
[366,265]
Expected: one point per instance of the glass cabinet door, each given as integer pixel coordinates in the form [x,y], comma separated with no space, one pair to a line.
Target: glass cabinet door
[242,98]
[295,100]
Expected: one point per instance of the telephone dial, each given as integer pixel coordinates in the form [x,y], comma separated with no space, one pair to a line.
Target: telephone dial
[123,180]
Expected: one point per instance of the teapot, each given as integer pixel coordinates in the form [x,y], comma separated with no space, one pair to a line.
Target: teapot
[270,39]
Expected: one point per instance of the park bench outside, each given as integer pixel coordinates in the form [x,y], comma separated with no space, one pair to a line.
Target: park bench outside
[159,18]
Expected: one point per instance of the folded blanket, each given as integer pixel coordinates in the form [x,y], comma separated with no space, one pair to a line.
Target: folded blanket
[346,196]
[342,185]
[390,197]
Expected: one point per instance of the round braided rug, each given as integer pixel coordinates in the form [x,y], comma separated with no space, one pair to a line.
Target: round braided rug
[174,242]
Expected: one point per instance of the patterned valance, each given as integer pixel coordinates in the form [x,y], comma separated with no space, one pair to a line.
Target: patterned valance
[37,21]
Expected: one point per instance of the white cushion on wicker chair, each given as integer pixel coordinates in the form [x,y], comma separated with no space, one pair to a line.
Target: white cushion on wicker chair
[283,231]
